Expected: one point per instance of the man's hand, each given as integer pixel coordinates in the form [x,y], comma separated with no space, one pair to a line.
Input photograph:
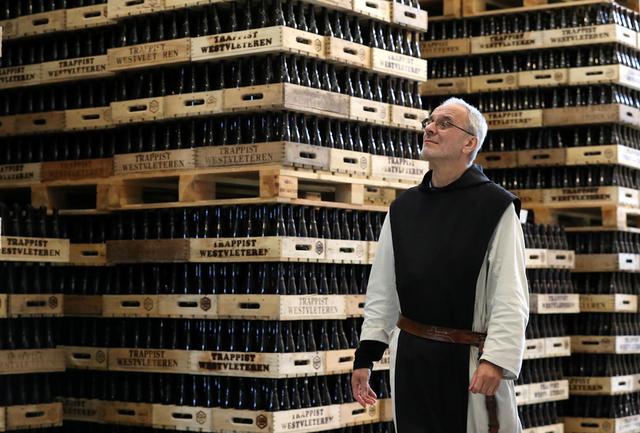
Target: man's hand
[360,388]
[486,379]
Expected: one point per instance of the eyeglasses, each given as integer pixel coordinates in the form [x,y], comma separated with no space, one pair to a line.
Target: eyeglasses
[443,124]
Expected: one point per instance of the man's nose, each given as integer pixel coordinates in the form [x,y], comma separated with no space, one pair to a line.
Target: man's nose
[430,129]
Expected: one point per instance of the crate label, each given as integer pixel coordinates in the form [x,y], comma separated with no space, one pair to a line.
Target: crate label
[398,168]
[506,42]
[82,169]
[78,409]
[310,419]
[43,249]
[627,344]
[567,302]
[599,385]
[399,64]
[233,361]
[445,48]
[20,76]
[147,359]
[24,361]
[586,35]
[307,306]
[514,119]
[266,247]
[72,69]
[155,53]
[17,173]
[579,194]
[154,161]
[240,154]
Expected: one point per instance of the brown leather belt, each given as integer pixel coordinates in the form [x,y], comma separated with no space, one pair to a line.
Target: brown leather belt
[459,336]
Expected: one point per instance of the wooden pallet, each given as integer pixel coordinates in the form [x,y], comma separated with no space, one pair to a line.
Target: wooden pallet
[490,7]
[588,218]
[81,195]
[248,182]
[439,10]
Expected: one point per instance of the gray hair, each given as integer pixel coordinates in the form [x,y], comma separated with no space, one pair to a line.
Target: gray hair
[477,122]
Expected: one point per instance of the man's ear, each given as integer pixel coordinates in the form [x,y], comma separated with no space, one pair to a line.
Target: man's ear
[470,145]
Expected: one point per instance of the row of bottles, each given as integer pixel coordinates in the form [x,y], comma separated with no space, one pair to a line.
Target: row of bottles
[603,324]
[24,389]
[541,98]
[25,220]
[544,236]
[545,326]
[540,370]
[81,427]
[533,60]
[539,415]
[603,406]
[28,333]
[601,365]
[254,14]
[607,283]
[197,279]
[244,221]
[270,395]
[566,177]
[549,138]
[535,20]
[612,242]
[217,335]
[550,281]
[10,9]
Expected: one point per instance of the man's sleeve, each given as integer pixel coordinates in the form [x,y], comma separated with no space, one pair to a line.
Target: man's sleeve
[507,296]
[382,307]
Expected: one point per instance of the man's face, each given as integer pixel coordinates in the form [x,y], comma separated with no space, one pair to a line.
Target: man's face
[449,144]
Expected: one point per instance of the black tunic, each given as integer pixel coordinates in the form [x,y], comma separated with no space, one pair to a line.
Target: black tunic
[440,238]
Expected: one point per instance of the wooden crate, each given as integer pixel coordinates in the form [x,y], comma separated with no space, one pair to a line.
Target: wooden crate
[130,305]
[522,394]
[90,358]
[497,159]
[409,16]
[160,161]
[346,251]
[76,169]
[377,9]
[606,154]
[601,425]
[125,8]
[354,305]
[80,409]
[20,76]
[339,361]
[36,305]
[557,346]
[514,119]
[507,42]
[251,364]
[407,117]
[398,65]
[75,69]
[368,111]
[386,405]
[621,344]
[276,39]
[590,197]
[25,249]
[354,413]
[9,29]
[11,174]
[445,48]
[607,262]
[350,162]
[88,16]
[52,121]
[613,74]
[282,307]
[350,53]
[251,249]
[534,348]
[561,259]
[182,417]
[88,254]
[287,96]
[146,251]
[137,110]
[295,420]
[548,391]
[149,360]
[535,258]
[187,306]
[601,385]
[118,412]
[88,118]
[33,416]
[493,82]
[193,104]
[41,23]
[605,113]
[589,35]
[31,361]
[616,303]
[7,125]
[542,157]
[446,86]
[83,305]
[543,78]
[558,303]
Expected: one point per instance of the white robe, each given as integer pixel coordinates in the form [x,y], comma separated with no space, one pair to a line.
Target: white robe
[501,311]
